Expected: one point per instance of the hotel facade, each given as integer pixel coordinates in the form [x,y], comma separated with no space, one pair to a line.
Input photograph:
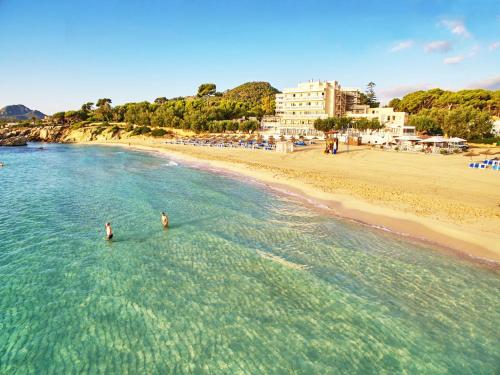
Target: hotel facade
[297,108]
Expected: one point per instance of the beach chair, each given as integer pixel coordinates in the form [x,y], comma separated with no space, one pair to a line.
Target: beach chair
[496,167]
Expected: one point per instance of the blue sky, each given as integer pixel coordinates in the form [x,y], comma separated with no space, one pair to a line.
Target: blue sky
[55,55]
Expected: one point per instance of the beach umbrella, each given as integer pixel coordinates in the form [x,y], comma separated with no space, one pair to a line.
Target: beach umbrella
[471,154]
[488,152]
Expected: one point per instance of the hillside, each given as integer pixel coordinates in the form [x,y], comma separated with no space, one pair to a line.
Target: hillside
[480,99]
[19,112]
[253,93]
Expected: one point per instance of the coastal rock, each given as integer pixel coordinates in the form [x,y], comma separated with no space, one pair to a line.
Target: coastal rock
[14,141]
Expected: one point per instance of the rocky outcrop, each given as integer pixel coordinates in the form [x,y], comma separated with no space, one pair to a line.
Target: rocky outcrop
[20,136]
[58,134]
[14,141]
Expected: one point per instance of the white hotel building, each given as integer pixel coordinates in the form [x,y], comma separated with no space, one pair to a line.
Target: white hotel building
[297,108]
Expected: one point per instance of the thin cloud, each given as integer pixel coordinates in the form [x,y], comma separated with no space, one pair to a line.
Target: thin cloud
[440,46]
[453,60]
[456,27]
[494,46]
[474,50]
[405,44]
[492,83]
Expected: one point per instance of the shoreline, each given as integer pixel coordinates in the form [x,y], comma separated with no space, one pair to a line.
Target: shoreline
[460,240]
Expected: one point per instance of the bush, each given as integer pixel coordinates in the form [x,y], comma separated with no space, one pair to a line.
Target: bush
[78,125]
[443,151]
[129,128]
[99,130]
[141,130]
[248,125]
[158,132]
[486,140]
[114,129]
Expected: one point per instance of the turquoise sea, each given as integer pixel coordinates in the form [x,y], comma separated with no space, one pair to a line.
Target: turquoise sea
[198,298]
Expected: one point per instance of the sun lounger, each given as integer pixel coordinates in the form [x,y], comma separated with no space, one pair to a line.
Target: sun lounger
[477,165]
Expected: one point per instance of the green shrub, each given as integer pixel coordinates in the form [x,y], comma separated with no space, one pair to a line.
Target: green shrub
[158,132]
[114,129]
[129,128]
[99,130]
[443,151]
[141,130]
[78,125]
[487,140]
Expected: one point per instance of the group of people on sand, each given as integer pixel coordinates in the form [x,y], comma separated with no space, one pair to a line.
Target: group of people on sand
[109,230]
[332,146]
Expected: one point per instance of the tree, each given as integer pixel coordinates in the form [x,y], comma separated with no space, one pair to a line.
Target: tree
[206,89]
[161,100]
[325,125]
[58,118]
[87,107]
[104,112]
[268,104]
[425,123]
[332,123]
[248,125]
[467,123]
[371,97]
[103,102]
[394,103]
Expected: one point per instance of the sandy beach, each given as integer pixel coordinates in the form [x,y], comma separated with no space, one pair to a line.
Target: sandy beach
[428,197]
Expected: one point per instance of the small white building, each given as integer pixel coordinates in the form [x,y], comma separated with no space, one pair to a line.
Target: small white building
[496,127]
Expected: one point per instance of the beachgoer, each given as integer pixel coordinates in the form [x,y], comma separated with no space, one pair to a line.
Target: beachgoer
[109,231]
[1,164]
[164,220]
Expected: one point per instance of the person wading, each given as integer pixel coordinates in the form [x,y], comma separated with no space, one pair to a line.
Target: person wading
[164,220]
[109,231]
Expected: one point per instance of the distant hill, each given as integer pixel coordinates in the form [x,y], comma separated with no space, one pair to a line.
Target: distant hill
[251,92]
[19,112]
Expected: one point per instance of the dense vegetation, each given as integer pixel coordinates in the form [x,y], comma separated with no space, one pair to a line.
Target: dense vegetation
[466,113]
[236,109]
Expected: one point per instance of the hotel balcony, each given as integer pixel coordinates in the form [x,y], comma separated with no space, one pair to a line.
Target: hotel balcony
[301,98]
[288,116]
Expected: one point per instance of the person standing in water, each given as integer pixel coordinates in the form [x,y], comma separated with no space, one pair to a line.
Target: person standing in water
[164,220]
[109,231]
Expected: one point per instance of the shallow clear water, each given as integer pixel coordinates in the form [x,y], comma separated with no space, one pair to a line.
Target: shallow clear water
[198,298]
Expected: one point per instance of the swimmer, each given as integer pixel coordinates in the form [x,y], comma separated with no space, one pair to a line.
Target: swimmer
[164,220]
[1,164]
[109,231]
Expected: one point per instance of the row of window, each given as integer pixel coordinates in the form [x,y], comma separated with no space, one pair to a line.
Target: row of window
[304,95]
[300,104]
